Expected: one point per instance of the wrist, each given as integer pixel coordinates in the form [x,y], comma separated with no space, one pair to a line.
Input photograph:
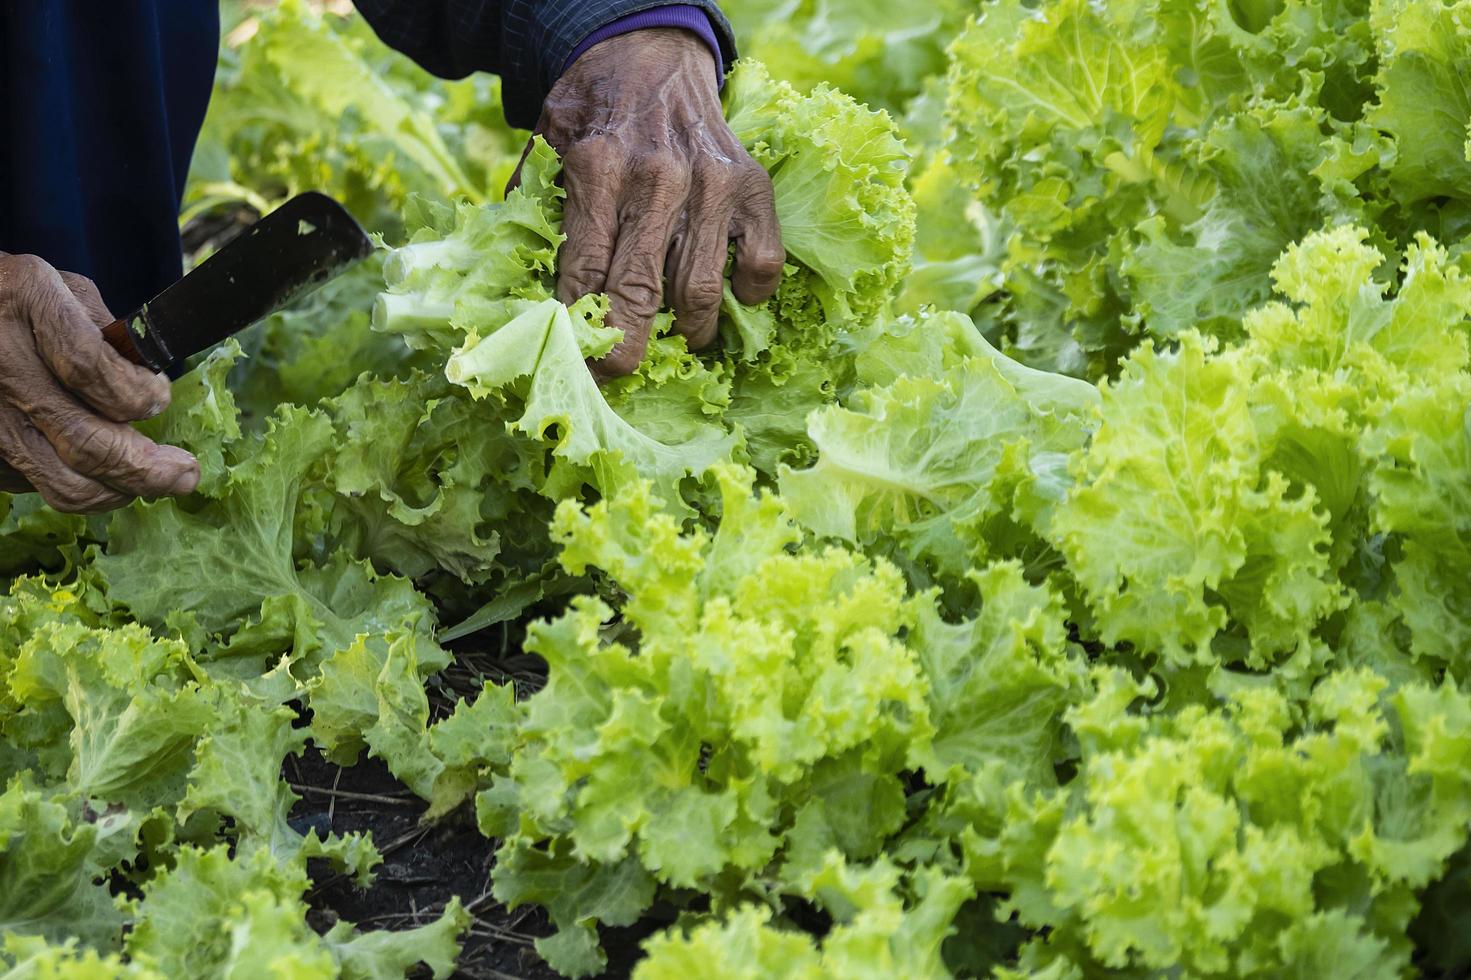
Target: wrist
[689,23]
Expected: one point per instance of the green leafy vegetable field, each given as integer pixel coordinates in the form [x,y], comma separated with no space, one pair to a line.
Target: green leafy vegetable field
[1066,574]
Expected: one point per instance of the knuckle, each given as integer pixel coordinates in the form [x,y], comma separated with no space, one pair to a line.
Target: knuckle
[596,158]
[81,287]
[579,156]
[591,148]
[701,294]
[639,293]
[80,373]
[712,195]
[579,282]
[758,199]
[85,291]
[25,266]
[581,275]
[768,259]
[588,255]
[92,448]
[26,281]
[663,168]
[558,105]
[721,175]
[756,180]
[25,443]
[78,284]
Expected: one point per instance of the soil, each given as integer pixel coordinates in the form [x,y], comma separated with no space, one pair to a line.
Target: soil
[425,865]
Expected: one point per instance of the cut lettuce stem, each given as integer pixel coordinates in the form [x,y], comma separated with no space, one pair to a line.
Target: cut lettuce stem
[410,313]
[447,254]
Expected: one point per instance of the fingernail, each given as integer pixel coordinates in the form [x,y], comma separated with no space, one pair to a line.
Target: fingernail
[155,410]
[186,468]
[187,482]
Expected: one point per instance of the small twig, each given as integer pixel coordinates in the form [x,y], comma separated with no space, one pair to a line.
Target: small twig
[405,799]
[482,928]
[493,973]
[399,918]
[332,798]
[474,904]
[412,837]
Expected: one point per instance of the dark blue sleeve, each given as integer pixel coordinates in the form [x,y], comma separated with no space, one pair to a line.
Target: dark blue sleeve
[526,42]
[101,104]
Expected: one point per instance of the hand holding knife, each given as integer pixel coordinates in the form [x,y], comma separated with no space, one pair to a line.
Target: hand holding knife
[66,398]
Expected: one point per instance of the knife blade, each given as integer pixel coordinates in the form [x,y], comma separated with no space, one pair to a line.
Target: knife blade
[302,244]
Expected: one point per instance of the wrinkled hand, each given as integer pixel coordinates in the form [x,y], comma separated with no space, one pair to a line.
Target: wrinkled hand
[657,189]
[66,396]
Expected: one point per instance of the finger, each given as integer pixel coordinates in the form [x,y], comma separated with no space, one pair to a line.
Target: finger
[590,220]
[759,254]
[697,266]
[33,459]
[636,279]
[12,482]
[72,347]
[85,290]
[108,452]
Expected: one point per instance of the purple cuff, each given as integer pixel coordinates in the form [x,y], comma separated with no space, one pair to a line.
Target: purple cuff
[675,15]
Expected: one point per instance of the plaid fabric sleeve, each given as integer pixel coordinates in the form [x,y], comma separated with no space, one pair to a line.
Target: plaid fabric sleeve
[527,42]
[680,15]
[450,38]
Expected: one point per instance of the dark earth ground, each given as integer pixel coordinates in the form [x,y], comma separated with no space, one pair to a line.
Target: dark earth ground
[425,865]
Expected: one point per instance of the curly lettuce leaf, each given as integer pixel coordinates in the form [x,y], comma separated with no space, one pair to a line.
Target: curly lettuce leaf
[793,679]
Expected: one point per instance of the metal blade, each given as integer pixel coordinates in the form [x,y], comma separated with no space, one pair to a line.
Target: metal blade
[289,252]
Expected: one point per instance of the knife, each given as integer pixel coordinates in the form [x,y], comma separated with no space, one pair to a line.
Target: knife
[302,244]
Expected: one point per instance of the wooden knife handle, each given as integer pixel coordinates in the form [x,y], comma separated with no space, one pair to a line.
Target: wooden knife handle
[131,338]
[120,338]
